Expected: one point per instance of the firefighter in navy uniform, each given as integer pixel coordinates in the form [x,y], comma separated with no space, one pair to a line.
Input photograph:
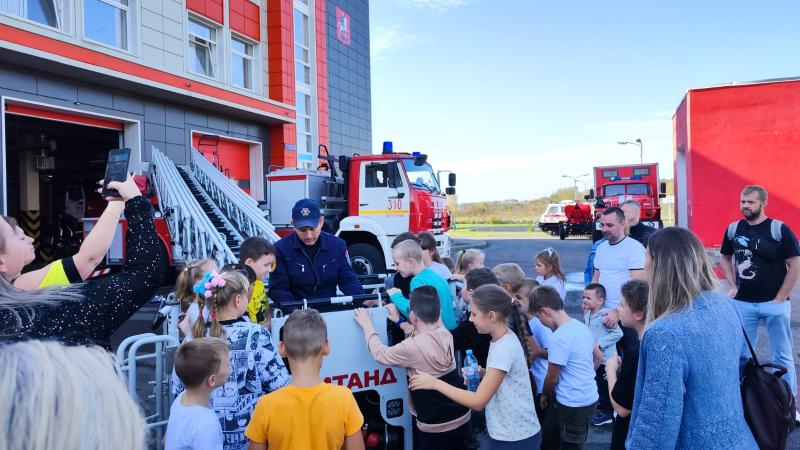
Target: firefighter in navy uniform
[310,262]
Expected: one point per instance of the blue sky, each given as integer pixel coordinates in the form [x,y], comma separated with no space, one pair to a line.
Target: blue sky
[512,94]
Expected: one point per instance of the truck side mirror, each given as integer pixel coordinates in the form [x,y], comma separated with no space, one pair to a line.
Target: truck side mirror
[343,161]
[591,194]
[450,191]
[451,179]
[663,188]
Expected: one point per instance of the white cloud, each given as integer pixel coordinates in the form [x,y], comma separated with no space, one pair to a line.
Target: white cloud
[384,39]
[438,6]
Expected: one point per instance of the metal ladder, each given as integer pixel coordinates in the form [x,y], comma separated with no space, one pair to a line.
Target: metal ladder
[225,228]
[193,233]
[239,208]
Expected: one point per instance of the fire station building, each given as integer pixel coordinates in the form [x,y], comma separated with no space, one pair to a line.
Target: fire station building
[252,84]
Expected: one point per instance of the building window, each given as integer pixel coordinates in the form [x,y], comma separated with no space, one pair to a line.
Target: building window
[304,83]
[242,63]
[301,48]
[107,22]
[202,49]
[45,12]
[304,123]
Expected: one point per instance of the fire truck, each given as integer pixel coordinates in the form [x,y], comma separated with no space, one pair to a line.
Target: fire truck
[367,200]
[580,220]
[553,216]
[617,184]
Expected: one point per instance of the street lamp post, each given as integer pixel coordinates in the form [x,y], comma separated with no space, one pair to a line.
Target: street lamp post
[636,142]
[575,181]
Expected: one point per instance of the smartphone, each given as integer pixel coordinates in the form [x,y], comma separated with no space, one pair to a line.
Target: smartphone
[116,169]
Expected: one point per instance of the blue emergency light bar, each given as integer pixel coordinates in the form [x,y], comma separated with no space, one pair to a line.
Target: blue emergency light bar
[415,154]
[388,148]
[618,178]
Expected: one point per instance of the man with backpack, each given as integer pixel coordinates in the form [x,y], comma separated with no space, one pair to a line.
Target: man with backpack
[760,257]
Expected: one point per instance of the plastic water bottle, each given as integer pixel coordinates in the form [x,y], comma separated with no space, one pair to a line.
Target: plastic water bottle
[471,371]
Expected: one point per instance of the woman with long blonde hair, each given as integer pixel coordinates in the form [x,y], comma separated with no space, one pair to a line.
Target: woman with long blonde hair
[91,311]
[687,388]
[66,398]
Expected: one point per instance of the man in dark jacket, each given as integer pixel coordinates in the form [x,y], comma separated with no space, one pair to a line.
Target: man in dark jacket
[309,262]
[636,229]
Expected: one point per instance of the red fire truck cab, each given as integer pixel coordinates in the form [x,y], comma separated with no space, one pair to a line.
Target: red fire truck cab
[616,184]
[367,202]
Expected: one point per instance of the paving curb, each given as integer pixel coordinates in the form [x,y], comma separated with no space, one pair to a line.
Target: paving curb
[456,245]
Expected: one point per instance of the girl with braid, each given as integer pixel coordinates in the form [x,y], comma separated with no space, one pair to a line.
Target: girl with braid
[191,274]
[505,388]
[255,366]
[186,295]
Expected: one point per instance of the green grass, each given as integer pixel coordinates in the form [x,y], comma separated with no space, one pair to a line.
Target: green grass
[471,233]
[470,226]
[467,230]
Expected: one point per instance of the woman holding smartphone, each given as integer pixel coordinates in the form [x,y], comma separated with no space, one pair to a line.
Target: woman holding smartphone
[91,311]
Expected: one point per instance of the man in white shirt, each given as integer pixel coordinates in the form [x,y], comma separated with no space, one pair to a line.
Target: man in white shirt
[618,259]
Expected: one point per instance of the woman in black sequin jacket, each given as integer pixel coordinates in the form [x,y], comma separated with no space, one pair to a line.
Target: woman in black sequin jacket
[89,312]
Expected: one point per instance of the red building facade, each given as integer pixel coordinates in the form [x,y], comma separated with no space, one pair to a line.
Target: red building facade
[726,137]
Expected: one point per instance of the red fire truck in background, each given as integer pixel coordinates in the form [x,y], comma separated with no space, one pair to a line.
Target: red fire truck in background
[617,184]
[579,220]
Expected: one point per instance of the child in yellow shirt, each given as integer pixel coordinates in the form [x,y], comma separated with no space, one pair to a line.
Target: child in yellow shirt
[258,254]
[307,414]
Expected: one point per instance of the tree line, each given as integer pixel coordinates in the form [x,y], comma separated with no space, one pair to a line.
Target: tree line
[516,211]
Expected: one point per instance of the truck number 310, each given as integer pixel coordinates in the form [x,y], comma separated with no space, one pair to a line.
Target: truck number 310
[395,203]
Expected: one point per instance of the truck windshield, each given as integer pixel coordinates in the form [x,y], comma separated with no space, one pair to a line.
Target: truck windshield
[421,177]
[637,189]
[619,189]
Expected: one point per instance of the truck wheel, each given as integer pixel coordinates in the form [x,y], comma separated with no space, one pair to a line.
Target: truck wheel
[366,259]
[596,234]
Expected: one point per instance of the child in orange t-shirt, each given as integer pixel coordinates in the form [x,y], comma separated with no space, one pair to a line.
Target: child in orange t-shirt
[290,418]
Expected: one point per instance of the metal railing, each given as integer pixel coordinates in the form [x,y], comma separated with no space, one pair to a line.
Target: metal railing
[128,359]
[238,207]
[193,234]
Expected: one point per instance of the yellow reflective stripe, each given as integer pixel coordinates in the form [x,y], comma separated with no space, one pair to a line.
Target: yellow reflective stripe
[55,276]
[384,211]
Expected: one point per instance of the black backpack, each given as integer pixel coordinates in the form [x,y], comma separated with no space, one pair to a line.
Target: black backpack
[768,402]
